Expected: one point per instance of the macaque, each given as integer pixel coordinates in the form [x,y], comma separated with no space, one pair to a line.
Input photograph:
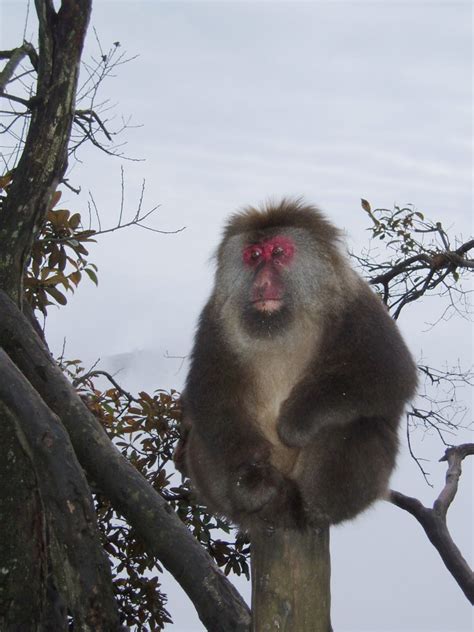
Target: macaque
[298,378]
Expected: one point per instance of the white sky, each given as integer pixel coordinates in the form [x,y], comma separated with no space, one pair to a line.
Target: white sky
[244,100]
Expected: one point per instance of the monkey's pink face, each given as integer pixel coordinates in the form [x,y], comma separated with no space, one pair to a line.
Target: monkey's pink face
[268,258]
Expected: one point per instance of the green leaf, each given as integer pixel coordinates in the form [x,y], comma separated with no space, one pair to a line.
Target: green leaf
[62,259]
[55,280]
[62,217]
[85,235]
[54,257]
[92,275]
[55,199]
[74,221]
[57,295]
[75,277]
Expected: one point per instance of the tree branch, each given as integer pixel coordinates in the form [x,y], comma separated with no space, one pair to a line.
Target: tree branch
[96,373]
[14,57]
[44,158]
[454,456]
[433,520]
[76,552]
[424,261]
[218,603]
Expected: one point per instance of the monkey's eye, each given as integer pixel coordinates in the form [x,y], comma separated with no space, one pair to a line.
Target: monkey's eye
[278,251]
[252,254]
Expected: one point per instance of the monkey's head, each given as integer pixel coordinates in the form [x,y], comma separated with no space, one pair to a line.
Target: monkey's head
[276,265]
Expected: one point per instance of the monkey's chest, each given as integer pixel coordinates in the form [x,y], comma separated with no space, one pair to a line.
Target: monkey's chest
[270,390]
[276,371]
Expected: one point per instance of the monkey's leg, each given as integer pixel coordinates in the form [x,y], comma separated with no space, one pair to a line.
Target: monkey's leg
[254,485]
[232,488]
[345,469]
[208,477]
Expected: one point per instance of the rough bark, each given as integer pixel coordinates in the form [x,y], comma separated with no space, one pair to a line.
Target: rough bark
[22,548]
[72,553]
[56,549]
[433,520]
[291,581]
[44,158]
[220,607]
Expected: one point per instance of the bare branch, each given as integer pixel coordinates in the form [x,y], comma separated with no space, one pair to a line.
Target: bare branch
[96,373]
[439,408]
[417,459]
[424,261]
[67,184]
[11,97]
[433,520]
[90,115]
[138,218]
[454,456]
[14,57]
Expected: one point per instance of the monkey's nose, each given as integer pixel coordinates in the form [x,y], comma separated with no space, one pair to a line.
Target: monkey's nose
[262,289]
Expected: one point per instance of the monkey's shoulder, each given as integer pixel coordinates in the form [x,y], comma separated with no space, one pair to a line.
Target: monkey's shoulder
[365,348]
[362,326]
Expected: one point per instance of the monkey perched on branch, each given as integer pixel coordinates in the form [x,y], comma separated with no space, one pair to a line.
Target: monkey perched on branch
[298,377]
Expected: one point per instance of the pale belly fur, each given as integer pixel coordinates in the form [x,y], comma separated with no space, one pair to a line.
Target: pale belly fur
[275,374]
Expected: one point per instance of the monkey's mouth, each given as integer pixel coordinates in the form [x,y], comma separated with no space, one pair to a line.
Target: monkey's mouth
[267,305]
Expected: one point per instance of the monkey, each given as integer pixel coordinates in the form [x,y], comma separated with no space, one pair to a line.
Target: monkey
[297,380]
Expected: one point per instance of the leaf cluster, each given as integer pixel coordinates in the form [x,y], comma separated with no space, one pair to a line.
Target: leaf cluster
[418,259]
[58,259]
[146,429]
[58,256]
[398,226]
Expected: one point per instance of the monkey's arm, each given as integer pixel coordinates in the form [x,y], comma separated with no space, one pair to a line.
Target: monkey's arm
[228,455]
[312,406]
[363,370]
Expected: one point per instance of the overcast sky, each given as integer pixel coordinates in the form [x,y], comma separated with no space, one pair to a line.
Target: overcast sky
[239,101]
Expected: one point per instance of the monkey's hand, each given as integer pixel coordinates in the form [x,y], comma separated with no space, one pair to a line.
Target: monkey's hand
[301,420]
[295,432]
[255,485]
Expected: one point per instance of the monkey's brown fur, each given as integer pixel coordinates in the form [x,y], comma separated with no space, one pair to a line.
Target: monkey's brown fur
[291,416]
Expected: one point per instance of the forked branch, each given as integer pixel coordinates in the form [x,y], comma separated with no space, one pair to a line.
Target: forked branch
[433,520]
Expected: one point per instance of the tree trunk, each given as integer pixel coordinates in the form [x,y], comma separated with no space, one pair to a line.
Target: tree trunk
[291,581]
[218,603]
[64,565]
[43,160]
[24,558]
